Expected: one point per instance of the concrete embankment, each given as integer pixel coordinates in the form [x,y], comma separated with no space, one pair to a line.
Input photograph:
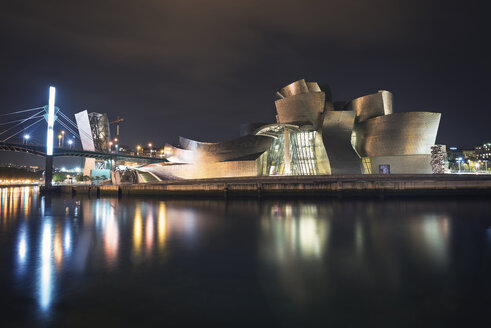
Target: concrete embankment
[359,185]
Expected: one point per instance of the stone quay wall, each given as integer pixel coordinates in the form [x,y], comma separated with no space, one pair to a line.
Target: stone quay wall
[349,185]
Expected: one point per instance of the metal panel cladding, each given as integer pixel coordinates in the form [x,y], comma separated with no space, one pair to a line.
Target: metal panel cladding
[336,135]
[238,148]
[296,88]
[302,108]
[372,105]
[396,134]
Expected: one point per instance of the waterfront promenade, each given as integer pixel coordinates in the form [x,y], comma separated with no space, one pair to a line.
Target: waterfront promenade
[341,185]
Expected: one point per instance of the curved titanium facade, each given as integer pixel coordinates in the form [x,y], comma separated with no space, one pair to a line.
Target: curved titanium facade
[178,155]
[313,136]
[239,148]
[336,135]
[306,108]
[313,87]
[396,134]
[295,88]
[366,107]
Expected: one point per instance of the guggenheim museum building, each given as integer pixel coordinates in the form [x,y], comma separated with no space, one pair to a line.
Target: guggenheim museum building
[312,135]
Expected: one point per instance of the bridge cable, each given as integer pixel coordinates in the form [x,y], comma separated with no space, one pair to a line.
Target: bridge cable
[22,121]
[68,128]
[4,140]
[68,119]
[22,111]
[14,121]
[75,125]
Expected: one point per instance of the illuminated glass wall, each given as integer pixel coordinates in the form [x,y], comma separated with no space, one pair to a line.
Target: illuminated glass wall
[300,154]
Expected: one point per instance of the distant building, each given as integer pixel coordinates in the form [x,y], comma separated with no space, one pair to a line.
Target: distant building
[483,152]
[94,132]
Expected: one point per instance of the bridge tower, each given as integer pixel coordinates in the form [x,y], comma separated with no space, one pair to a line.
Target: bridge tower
[50,118]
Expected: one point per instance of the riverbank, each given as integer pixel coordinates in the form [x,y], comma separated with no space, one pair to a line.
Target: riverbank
[337,186]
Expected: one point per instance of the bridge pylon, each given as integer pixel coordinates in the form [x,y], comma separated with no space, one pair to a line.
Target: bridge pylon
[50,118]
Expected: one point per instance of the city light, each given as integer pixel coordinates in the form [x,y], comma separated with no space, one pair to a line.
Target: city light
[51,121]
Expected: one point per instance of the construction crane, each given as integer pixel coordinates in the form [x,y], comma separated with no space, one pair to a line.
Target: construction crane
[117,121]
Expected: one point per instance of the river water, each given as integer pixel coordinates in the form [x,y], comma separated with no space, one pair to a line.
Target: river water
[83,262]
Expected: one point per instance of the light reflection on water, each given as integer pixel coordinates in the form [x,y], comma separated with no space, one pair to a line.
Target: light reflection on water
[308,253]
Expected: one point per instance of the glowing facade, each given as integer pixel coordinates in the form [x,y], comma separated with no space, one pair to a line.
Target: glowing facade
[94,132]
[313,136]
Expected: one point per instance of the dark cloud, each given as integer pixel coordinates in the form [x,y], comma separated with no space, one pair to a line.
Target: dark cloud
[203,39]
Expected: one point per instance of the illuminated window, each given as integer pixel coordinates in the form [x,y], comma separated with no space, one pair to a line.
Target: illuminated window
[367,165]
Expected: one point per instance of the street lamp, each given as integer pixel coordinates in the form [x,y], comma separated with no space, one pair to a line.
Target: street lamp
[59,140]
[62,138]
[70,142]
[150,146]
[110,145]
[138,149]
[459,160]
[26,138]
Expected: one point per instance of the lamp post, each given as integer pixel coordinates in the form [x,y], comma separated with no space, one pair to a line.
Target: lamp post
[59,141]
[138,149]
[26,138]
[63,138]
[70,142]
[150,146]
[459,160]
[110,146]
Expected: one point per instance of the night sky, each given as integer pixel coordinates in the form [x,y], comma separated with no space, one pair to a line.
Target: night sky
[201,68]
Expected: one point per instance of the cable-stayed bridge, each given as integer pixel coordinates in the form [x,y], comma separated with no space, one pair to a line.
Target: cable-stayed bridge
[66,152]
[18,131]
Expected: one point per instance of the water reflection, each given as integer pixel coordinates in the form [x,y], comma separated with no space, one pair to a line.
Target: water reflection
[295,232]
[22,248]
[162,225]
[137,232]
[351,244]
[45,282]
[298,251]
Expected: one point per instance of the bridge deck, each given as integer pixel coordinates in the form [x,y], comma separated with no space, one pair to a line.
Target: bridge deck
[63,152]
